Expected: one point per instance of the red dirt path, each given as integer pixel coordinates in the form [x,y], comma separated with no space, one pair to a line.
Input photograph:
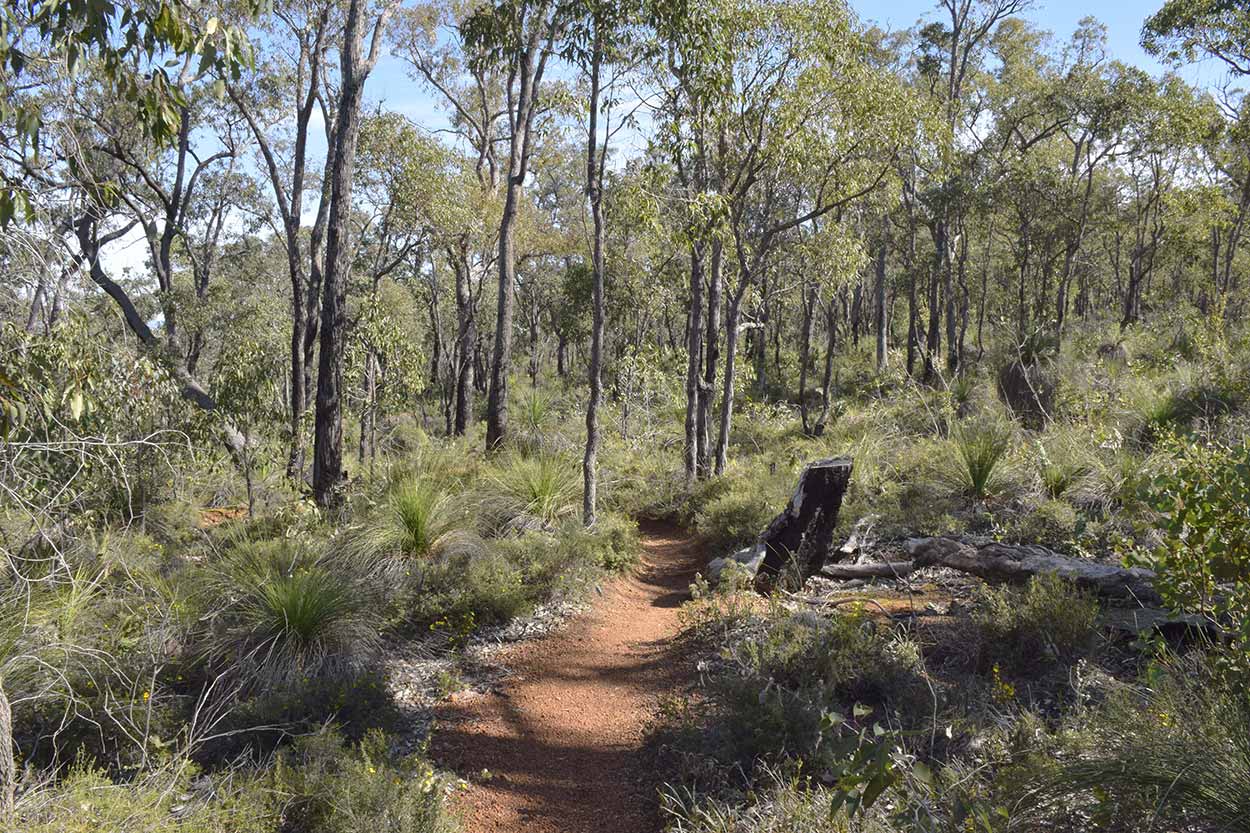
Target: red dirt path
[563,740]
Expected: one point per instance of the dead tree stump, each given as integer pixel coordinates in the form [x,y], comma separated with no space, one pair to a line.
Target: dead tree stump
[803,532]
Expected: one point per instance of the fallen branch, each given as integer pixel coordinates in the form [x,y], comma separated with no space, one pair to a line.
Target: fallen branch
[1017,564]
[888,569]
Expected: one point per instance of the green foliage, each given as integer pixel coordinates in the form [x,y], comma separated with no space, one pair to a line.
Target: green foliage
[1202,559]
[1172,751]
[1061,467]
[543,489]
[1046,624]
[87,801]
[415,521]
[333,790]
[982,447]
[733,510]
[798,669]
[1203,506]
[282,615]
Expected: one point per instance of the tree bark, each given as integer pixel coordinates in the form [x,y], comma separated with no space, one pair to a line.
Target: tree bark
[804,530]
[466,338]
[1018,564]
[328,473]
[530,63]
[711,351]
[731,366]
[880,306]
[8,767]
[694,345]
[594,190]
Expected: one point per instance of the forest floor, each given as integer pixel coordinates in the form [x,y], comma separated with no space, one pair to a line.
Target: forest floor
[559,745]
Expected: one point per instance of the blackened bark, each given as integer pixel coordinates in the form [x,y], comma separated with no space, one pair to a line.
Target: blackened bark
[803,532]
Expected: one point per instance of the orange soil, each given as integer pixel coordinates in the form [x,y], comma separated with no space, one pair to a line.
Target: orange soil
[560,748]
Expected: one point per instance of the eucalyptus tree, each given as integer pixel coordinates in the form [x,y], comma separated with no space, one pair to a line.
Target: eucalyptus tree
[279,99]
[811,126]
[598,42]
[951,56]
[401,179]
[1182,30]
[520,36]
[431,40]
[107,171]
[361,46]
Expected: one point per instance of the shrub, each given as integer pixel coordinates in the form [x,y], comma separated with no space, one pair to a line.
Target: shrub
[1060,467]
[982,447]
[1176,750]
[1049,622]
[787,675]
[1052,522]
[612,545]
[87,801]
[330,789]
[484,584]
[281,615]
[1202,505]
[733,510]
[415,521]
[543,489]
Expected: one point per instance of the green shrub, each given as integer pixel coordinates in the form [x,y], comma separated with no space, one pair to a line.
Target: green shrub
[612,545]
[282,615]
[981,447]
[1047,623]
[732,511]
[789,674]
[543,489]
[1053,523]
[416,519]
[87,801]
[1174,752]
[330,789]
[1061,467]
[1202,558]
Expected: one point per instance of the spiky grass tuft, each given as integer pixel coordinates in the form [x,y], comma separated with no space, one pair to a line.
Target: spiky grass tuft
[286,615]
[982,447]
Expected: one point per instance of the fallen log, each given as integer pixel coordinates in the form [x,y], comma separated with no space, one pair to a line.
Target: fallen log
[803,532]
[1017,564]
[887,569]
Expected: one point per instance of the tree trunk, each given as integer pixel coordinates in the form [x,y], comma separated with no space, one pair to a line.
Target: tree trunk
[594,189]
[933,340]
[8,767]
[880,308]
[803,532]
[466,338]
[711,351]
[530,63]
[1018,564]
[731,364]
[328,474]
[694,344]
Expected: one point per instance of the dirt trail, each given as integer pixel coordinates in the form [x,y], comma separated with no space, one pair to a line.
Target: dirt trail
[562,741]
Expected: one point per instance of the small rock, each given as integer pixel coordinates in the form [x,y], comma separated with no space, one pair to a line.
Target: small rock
[748,558]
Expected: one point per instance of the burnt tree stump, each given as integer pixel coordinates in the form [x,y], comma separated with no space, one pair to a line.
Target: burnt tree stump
[804,531]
